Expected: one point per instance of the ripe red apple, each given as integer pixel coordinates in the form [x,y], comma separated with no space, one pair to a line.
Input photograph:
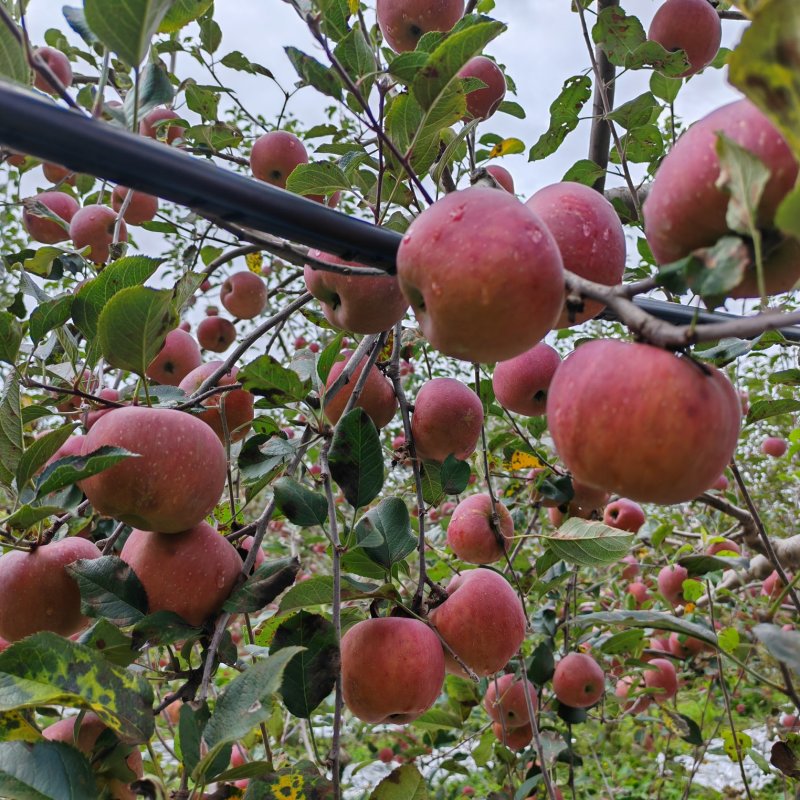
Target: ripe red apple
[589,236]
[55,173]
[149,126]
[72,447]
[175,482]
[723,546]
[448,265]
[356,303]
[275,155]
[243,294]
[37,594]
[685,646]
[624,514]
[520,384]
[639,592]
[93,416]
[483,102]
[790,721]
[721,484]
[93,226]
[772,586]
[690,25]
[176,359]
[470,533]
[502,176]
[774,446]
[447,420]
[376,398]
[44,230]
[631,570]
[190,573]
[246,544]
[216,334]
[386,754]
[482,620]
[238,403]
[505,701]
[402,22]
[59,65]
[613,431]
[670,583]
[578,681]
[141,208]
[513,738]
[678,222]
[661,676]
[392,669]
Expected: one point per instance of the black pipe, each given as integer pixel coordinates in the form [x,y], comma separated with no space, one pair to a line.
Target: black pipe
[42,129]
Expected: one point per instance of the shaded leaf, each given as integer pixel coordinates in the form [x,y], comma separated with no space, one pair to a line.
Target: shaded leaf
[564,113]
[39,452]
[404,783]
[269,379]
[647,619]
[45,771]
[390,524]
[13,63]
[299,504]
[71,469]
[10,337]
[109,589]
[263,586]
[782,645]
[764,409]
[356,458]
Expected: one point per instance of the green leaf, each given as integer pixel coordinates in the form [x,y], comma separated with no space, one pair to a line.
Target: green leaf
[665,88]
[564,115]
[782,645]
[267,378]
[512,109]
[237,61]
[406,66]
[109,589]
[299,504]
[10,337]
[13,63]
[155,89]
[702,564]
[182,12]
[311,675]
[787,217]
[764,409]
[786,377]
[542,664]
[728,639]
[26,516]
[318,591]
[163,627]
[263,586]
[640,145]
[328,357]
[16,726]
[72,469]
[321,177]
[76,19]
[312,73]
[647,619]
[617,34]
[110,642]
[735,743]
[48,315]
[11,447]
[438,480]
[672,63]
[301,780]
[46,669]
[636,112]
[40,450]
[390,524]
[744,176]
[126,26]
[356,458]
[202,100]
[45,771]
[133,326]
[355,55]
[404,783]
[588,543]
[210,35]
[584,171]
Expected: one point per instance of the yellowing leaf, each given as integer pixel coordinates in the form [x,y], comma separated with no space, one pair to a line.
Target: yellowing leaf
[520,460]
[353,6]
[254,262]
[507,147]
[386,353]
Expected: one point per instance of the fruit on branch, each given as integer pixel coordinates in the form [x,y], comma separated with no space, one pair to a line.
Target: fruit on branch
[275,155]
[103,394]
[45,230]
[677,440]
[661,676]
[376,398]
[578,681]
[484,101]
[639,592]
[176,359]
[513,738]
[470,533]
[772,586]
[483,275]
[689,25]
[55,173]
[37,594]
[93,226]
[726,545]
[447,420]
[670,583]
[679,221]
[357,303]
[502,176]
[149,126]
[175,482]
[685,646]
[774,446]
[246,545]
[141,208]
[631,570]
[505,701]
[59,66]
[520,384]
[403,22]
[72,447]
[238,403]
[721,484]
[586,503]
[243,294]
[216,334]
[624,514]
[482,620]
[589,236]
[190,573]
[392,669]
[386,754]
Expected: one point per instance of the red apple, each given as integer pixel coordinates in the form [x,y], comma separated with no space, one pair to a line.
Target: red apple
[689,25]
[721,484]
[176,359]
[639,592]
[661,676]
[483,102]
[244,294]
[275,155]
[45,230]
[55,173]
[149,126]
[513,738]
[93,416]
[386,754]
[141,208]
[670,583]
[772,586]
[631,570]
[376,398]
[506,702]
[470,533]
[774,446]
[59,66]
[726,545]
[502,176]
[624,514]
[403,22]
[216,334]
[520,384]
[685,646]
[93,226]
[578,681]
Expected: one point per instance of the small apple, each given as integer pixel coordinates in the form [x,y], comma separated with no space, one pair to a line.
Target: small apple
[93,226]
[179,355]
[483,102]
[149,126]
[59,66]
[377,397]
[631,569]
[502,176]
[513,738]
[506,702]
[55,173]
[578,681]
[670,583]
[275,155]
[243,294]
[45,230]
[723,546]
[689,25]
[216,334]
[470,534]
[403,22]
[520,384]
[774,446]
[661,676]
[141,208]
[639,592]
[624,514]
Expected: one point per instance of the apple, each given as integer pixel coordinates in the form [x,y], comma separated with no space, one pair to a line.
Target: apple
[790,721]
[661,676]
[659,447]
[447,420]
[246,544]
[141,208]
[403,22]
[175,482]
[631,570]
[243,294]
[93,416]
[179,355]
[37,594]
[772,586]
[45,230]
[149,126]
[357,303]
[725,545]
[216,334]
[502,176]
[685,646]
[506,702]
[386,754]
[578,681]
[392,669]
[520,384]
[721,484]
[678,222]
[93,226]
[275,155]
[589,236]
[55,173]
[482,620]
[449,263]
[689,25]
[238,404]
[190,573]
[483,102]
[72,447]
[639,592]
[624,514]
[774,446]
[513,738]
[670,583]
[470,533]
[59,66]
[376,398]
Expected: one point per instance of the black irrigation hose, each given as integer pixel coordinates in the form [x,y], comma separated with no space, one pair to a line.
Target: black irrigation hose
[52,133]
